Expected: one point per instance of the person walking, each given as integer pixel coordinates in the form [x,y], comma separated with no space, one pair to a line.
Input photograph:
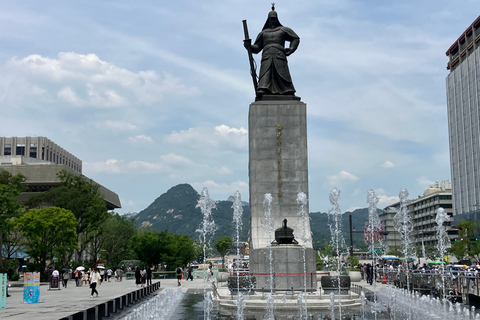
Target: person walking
[76,277]
[179,275]
[149,276]
[138,276]
[66,277]
[143,275]
[190,273]
[109,274]
[94,279]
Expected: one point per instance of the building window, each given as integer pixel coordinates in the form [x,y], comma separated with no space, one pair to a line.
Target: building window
[20,151]
[33,150]
[7,150]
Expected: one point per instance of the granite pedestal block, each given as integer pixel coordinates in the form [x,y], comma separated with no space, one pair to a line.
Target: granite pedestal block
[288,268]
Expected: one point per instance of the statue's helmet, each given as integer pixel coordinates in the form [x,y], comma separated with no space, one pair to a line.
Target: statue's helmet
[272,15]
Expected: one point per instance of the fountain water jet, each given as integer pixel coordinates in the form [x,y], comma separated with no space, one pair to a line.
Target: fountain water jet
[404,226]
[206,230]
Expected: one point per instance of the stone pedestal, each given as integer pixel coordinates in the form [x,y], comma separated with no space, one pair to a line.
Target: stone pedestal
[278,164]
[288,268]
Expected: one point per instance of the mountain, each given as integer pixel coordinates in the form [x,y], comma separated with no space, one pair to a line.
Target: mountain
[321,232]
[178,212]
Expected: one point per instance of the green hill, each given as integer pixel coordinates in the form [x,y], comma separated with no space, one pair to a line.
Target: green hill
[178,212]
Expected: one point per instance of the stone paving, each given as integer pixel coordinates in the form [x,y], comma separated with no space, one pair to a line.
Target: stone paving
[57,304]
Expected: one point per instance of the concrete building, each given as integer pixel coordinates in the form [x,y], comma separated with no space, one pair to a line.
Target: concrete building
[40,160]
[463,99]
[392,238]
[423,211]
[36,148]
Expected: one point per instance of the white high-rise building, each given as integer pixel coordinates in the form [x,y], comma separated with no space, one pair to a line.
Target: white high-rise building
[463,103]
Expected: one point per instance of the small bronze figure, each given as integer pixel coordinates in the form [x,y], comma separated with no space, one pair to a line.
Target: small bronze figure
[274,77]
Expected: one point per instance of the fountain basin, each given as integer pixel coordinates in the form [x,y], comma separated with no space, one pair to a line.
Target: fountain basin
[331,284]
[241,283]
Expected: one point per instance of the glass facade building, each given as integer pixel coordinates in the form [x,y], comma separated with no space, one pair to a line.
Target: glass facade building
[463,101]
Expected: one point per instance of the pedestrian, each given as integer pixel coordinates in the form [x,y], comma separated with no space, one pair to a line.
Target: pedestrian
[102,274]
[149,276]
[66,277]
[138,276]
[121,275]
[77,277]
[190,273]
[179,275]
[94,279]
[85,277]
[369,274]
[210,273]
[109,274]
[143,275]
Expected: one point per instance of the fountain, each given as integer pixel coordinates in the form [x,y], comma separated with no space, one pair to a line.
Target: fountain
[403,224]
[206,230]
[443,242]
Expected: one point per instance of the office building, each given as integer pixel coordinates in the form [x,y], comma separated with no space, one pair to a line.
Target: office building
[463,99]
[40,160]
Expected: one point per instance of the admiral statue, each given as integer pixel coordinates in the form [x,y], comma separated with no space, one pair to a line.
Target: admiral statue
[274,77]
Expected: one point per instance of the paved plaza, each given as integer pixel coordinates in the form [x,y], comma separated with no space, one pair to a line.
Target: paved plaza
[56,304]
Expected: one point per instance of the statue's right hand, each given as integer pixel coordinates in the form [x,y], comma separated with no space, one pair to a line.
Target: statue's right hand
[247,43]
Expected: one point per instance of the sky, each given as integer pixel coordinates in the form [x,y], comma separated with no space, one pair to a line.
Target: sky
[151,94]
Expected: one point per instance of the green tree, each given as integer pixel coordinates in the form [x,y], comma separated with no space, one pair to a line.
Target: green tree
[223,246]
[117,231]
[82,197]
[394,251]
[152,247]
[146,246]
[466,245]
[49,232]
[10,188]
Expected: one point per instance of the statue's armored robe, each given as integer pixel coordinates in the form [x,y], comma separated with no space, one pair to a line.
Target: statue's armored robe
[274,77]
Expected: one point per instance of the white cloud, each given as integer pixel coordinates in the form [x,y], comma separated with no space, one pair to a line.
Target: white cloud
[224,130]
[68,95]
[388,164]
[140,138]
[424,182]
[341,177]
[220,136]
[384,200]
[85,79]
[224,189]
[109,166]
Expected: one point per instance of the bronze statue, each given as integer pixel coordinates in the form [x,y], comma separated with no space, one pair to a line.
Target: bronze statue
[274,77]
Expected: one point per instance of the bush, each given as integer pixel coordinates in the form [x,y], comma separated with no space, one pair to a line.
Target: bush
[353,261]
[15,277]
[11,267]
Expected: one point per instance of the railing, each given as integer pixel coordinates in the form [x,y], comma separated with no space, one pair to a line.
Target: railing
[452,285]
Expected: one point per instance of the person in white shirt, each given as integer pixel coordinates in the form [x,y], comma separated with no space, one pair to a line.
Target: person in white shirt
[94,279]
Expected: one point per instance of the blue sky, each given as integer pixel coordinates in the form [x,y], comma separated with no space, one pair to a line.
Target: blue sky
[150,94]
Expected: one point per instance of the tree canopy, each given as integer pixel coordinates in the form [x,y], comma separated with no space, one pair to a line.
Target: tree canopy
[49,232]
[10,188]
[82,197]
[223,246]
[153,247]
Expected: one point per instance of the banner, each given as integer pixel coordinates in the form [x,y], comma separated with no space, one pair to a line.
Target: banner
[31,287]
[3,290]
